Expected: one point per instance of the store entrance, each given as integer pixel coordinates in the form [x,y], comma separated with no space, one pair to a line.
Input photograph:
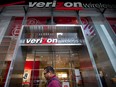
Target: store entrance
[62,47]
[72,65]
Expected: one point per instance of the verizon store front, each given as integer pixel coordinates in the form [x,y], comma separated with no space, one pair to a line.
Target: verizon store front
[60,46]
[78,44]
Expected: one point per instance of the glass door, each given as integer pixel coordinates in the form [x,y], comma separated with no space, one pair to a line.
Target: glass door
[71,63]
[36,60]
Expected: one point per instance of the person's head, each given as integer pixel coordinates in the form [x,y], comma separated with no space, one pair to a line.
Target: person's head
[49,72]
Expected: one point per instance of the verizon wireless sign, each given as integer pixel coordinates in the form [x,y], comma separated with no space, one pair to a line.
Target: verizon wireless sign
[69,5]
[40,41]
[50,41]
[57,5]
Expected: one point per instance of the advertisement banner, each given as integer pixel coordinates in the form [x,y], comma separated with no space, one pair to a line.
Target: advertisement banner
[88,26]
[47,20]
[31,73]
[37,20]
[65,84]
[15,26]
[66,20]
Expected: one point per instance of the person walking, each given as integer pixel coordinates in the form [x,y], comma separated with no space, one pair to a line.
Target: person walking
[52,80]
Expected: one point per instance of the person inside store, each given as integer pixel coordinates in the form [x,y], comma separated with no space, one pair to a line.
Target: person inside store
[52,79]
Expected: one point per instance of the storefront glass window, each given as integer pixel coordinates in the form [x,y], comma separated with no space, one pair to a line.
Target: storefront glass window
[11,28]
[103,63]
[62,47]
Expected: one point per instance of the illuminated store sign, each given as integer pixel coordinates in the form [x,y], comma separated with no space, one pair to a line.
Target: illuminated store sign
[62,5]
[69,5]
[57,5]
[50,41]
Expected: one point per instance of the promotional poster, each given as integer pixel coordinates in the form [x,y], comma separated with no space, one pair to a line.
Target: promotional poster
[77,38]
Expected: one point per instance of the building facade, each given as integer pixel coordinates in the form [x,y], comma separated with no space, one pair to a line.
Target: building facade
[80,45]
